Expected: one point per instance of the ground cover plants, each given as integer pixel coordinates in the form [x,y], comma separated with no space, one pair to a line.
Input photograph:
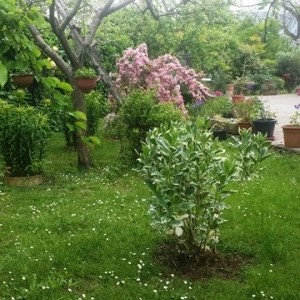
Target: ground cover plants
[87,235]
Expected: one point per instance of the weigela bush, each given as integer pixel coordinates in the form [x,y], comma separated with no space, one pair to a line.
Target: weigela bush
[165,75]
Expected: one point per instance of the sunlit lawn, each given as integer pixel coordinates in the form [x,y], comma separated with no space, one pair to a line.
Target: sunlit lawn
[87,235]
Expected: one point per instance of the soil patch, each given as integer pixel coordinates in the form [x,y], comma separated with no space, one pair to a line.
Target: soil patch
[200,265]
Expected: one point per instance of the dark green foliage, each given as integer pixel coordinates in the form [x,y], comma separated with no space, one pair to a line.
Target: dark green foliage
[23,136]
[97,107]
[288,67]
[139,113]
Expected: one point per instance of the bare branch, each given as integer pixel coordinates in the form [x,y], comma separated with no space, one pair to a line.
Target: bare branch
[71,15]
[61,9]
[151,9]
[101,14]
[95,60]
[50,52]
[61,36]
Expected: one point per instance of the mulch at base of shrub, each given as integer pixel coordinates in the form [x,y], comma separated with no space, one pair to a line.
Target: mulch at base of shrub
[200,265]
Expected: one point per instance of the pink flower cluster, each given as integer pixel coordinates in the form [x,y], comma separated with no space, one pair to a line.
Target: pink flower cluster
[164,74]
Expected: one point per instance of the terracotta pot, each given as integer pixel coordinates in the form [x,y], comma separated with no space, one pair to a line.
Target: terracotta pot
[230,87]
[86,84]
[297,90]
[26,181]
[244,125]
[23,81]
[238,98]
[291,136]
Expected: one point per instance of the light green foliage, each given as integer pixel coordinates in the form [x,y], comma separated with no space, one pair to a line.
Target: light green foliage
[23,137]
[77,121]
[139,113]
[189,175]
[85,73]
[216,106]
[250,150]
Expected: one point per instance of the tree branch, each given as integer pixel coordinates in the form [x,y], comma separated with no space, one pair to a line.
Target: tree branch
[50,52]
[93,55]
[61,8]
[61,36]
[101,14]
[71,15]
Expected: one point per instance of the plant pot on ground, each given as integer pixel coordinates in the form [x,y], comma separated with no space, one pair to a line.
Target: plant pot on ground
[264,121]
[240,87]
[291,132]
[291,136]
[244,112]
[85,79]
[24,134]
[238,98]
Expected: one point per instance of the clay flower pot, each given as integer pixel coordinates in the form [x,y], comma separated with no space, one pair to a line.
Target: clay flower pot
[238,98]
[291,136]
[22,80]
[86,84]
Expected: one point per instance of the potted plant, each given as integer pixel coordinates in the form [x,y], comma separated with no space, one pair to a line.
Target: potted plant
[23,78]
[291,132]
[219,132]
[264,120]
[239,87]
[297,90]
[23,136]
[244,112]
[85,79]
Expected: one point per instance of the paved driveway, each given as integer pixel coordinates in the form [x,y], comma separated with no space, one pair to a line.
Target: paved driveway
[283,106]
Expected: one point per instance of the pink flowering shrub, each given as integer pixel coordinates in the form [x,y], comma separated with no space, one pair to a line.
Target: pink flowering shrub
[165,75]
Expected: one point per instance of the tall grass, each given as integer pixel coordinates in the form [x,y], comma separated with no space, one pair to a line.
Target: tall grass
[86,235]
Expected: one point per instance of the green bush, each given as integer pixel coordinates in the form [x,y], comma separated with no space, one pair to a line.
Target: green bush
[288,66]
[139,113]
[23,137]
[221,105]
[189,175]
[97,107]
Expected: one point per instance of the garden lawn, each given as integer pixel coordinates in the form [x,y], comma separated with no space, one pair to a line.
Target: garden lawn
[86,235]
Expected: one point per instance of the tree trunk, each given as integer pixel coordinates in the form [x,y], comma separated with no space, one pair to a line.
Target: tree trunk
[83,152]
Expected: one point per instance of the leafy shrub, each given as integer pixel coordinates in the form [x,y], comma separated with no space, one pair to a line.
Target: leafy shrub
[139,113]
[189,174]
[23,137]
[221,105]
[97,107]
[164,74]
[288,64]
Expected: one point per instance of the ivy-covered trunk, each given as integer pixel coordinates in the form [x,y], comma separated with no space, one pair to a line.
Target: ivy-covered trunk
[83,152]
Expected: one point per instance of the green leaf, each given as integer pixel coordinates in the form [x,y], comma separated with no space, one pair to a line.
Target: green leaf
[3,74]
[79,115]
[51,81]
[65,86]
[95,140]
[80,124]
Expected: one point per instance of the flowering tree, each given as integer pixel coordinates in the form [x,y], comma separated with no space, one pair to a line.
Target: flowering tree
[165,75]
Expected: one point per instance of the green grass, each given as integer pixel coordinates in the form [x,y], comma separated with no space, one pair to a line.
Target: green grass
[86,235]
